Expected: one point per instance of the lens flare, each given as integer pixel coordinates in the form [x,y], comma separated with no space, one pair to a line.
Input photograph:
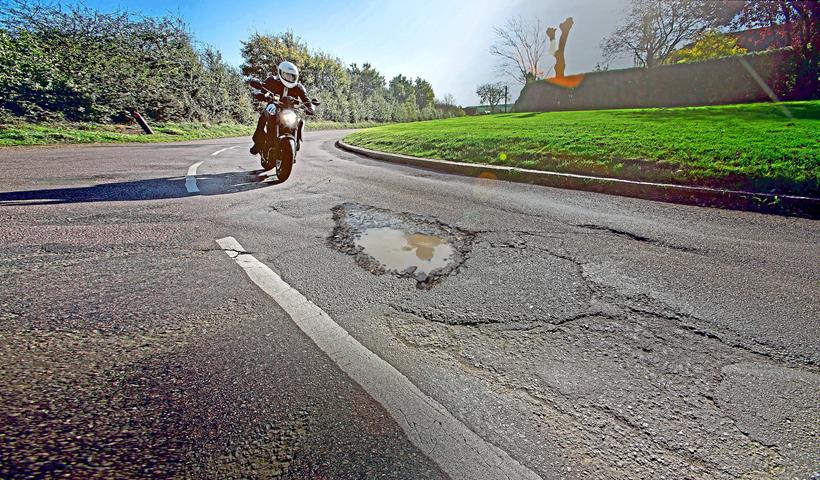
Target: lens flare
[571,81]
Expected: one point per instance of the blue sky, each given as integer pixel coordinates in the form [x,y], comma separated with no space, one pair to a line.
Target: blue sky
[443,41]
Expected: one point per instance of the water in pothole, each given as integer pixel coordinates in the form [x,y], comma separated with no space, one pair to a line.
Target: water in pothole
[402,251]
[399,243]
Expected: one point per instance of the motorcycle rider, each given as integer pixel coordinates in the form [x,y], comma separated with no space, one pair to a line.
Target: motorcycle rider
[285,83]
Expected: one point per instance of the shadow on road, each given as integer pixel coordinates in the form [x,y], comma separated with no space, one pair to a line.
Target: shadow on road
[141,190]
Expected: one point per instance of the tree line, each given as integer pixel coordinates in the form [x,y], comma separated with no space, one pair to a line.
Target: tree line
[352,93]
[78,64]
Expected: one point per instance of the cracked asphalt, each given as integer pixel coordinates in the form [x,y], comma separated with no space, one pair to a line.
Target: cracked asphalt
[586,335]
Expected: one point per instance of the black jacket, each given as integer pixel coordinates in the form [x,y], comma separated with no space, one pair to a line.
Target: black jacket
[276,86]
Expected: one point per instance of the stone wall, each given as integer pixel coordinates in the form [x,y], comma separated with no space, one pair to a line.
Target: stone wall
[715,82]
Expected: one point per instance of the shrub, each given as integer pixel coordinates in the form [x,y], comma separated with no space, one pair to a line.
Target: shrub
[88,66]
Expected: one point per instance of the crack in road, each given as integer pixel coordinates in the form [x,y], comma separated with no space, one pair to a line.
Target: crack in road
[639,303]
[651,328]
[636,237]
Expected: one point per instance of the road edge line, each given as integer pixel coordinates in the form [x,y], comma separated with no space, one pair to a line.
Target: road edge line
[459,451]
[789,205]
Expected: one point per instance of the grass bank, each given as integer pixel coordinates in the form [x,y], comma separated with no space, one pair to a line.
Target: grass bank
[65,133]
[761,147]
[324,125]
[21,133]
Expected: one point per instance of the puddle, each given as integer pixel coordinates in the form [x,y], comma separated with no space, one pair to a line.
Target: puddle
[402,251]
[401,244]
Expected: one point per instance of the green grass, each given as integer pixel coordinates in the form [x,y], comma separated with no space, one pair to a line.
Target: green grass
[326,125]
[755,146]
[21,133]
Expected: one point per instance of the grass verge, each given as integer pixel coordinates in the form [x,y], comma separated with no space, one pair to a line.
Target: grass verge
[21,133]
[16,134]
[759,147]
[325,125]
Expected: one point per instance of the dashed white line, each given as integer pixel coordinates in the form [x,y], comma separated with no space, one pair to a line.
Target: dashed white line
[190,178]
[459,451]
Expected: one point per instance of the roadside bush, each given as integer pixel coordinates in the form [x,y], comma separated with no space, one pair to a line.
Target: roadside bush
[82,65]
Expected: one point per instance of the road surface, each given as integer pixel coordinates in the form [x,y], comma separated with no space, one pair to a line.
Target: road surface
[167,312]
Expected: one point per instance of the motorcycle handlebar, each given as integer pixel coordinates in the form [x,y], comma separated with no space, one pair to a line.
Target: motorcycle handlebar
[268,96]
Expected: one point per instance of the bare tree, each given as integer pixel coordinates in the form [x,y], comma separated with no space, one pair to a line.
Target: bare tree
[653,29]
[491,94]
[519,46]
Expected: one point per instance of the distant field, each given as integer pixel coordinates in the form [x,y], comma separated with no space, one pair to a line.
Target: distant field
[764,147]
[18,134]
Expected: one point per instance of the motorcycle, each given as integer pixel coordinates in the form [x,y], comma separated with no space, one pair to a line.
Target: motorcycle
[283,131]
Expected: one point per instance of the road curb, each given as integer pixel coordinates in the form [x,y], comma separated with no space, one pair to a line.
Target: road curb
[701,196]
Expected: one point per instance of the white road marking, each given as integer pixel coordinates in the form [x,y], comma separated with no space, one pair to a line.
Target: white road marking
[459,451]
[220,151]
[190,179]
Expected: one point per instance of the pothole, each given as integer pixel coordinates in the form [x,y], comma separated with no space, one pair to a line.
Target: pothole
[401,251]
[402,244]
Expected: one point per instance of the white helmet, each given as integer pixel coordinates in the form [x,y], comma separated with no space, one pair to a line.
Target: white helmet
[288,74]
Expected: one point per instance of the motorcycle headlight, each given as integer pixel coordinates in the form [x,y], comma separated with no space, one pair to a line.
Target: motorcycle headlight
[289,117]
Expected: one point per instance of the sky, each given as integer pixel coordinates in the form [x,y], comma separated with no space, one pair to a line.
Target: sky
[446,42]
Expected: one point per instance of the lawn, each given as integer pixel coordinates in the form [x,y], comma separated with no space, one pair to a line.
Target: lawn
[761,147]
[21,133]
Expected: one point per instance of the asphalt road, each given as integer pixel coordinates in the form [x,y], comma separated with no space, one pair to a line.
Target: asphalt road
[581,335]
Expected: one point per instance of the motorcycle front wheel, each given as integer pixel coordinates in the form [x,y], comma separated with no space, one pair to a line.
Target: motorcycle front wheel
[284,165]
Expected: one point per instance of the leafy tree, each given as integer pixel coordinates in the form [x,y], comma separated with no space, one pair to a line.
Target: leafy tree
[491,94]
[366,81]
[322,72]
[401,88]
[430,112]
[654,29]
[411,109]
[216,87]
[397,113]
[263,53]
[424,93]
[710,45]
[381,109]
